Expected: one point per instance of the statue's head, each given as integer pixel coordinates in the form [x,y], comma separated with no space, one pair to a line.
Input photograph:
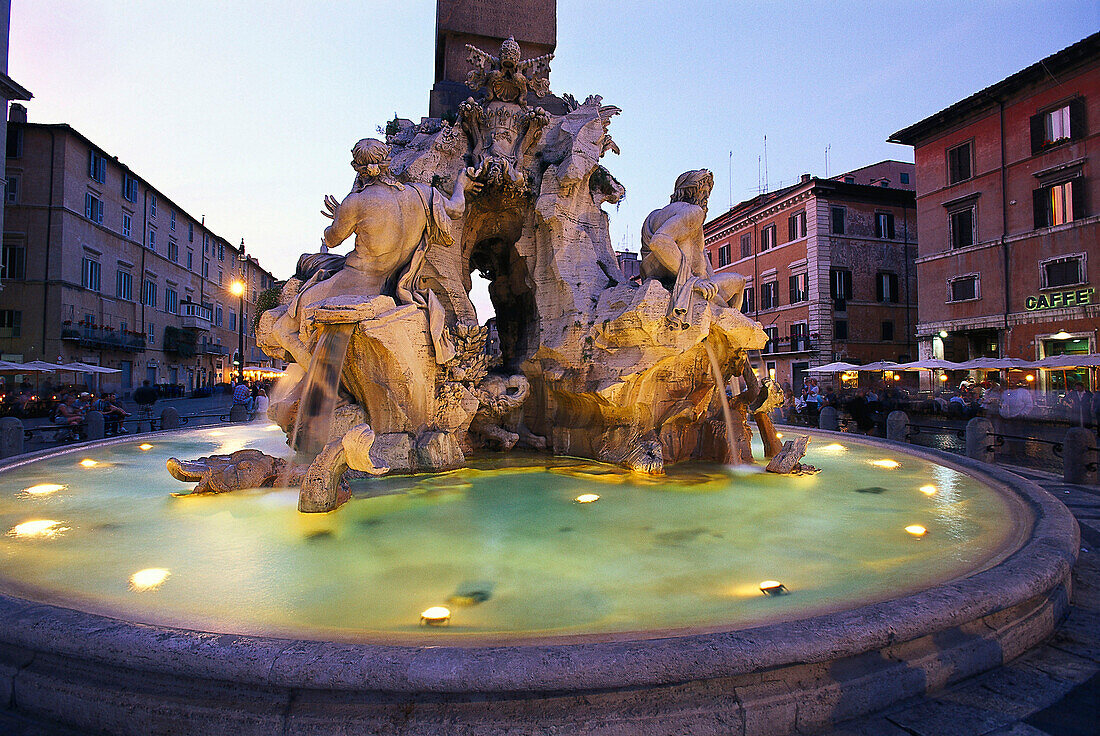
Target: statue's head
[371,160]
[694,187]
[509,53]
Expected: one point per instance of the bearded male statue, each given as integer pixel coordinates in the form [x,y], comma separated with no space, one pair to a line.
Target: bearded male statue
[673,251]
[393,224]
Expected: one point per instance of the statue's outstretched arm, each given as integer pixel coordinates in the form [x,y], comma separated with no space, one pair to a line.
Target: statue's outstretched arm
[455,205]
[344,220]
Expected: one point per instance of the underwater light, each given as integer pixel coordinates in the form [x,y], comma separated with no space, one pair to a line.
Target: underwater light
[148,579]
[888,464]
[773,587]
[217,433]
[145,446]
[778,436]
[435,616]
[43,488]
[587,498]
[916,530]
[88,463]
[833,447]
[37,528]
[928,490]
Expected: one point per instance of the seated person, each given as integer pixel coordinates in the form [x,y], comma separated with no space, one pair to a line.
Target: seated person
[68,415]
[113,413]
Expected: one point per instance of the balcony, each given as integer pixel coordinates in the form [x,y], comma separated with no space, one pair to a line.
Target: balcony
[788,345]
[98,337]
[212,348]
[195,316]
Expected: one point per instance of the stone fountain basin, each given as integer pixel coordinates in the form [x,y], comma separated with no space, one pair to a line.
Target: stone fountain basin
[109,675]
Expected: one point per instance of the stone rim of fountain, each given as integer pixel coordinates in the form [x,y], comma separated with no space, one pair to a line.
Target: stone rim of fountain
[1010,606]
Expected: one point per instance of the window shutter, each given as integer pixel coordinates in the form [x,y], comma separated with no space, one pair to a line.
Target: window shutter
[1039,206]
[880,294]
[1077,188]
[1078,126]
[890,227]
[894,295]
[1037,133]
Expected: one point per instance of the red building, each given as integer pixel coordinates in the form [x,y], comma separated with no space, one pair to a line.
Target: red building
[1007,206]
[829,265]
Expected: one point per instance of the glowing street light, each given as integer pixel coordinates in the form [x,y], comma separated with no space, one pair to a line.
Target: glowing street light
[237,289]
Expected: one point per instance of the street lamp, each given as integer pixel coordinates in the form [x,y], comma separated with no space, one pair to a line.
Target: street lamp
[237,289]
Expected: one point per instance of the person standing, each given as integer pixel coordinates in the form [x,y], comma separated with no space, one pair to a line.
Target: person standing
[1080,402]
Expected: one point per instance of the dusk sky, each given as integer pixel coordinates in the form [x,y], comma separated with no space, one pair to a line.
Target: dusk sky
[246,111]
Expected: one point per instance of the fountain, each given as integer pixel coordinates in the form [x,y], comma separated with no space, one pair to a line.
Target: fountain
[520,545]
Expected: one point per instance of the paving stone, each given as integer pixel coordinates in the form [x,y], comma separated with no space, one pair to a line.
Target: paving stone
[876,726]
[1060,664]
[936,717]
[1080,635]
[1018,729]
[1074,715]
[1015,690]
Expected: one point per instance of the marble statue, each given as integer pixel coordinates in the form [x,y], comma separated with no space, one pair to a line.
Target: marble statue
[589,363]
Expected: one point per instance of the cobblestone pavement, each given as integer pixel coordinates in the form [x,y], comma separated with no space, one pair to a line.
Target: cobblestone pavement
[1052,690]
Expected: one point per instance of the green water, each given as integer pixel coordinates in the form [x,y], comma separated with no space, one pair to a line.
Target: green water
[685,550]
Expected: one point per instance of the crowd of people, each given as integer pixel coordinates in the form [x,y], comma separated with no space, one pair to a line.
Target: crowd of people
[970,399]
[71,411]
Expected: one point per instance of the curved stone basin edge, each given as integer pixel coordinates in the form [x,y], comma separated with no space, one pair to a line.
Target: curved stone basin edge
[1033,581]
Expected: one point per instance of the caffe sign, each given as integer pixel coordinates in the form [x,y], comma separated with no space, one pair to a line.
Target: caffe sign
[1060,299]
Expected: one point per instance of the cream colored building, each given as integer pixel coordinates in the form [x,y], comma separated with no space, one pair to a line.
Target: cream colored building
[101,267]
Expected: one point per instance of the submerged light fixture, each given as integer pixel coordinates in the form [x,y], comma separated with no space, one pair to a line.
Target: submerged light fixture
[435,616]
[150,578]
[88,463]
[887,463]
[916,530]
[587,498]
[928,490]
[145,446]
[45,528]
[773,587]
[43,489]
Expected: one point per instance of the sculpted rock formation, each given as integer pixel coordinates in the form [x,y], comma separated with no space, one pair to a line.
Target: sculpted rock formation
[589,363]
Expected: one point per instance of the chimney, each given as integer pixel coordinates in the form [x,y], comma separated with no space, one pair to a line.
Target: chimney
[17,113]
[805,178]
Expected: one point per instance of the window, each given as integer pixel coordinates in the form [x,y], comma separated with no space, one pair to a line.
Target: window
[152,205]
[11,323]
[767,237]
[15,142]
[962,228]
[172,220]
[746,246]
[173,251]
[221,251]
[1064,271]
[171,300]
[964,288]
[205,268]
[884,225]
[958,164]
[836,220]
[904,176]
[773,338]
[97,166]
[205,244]
[1061,124]
[840,283]
[93,207]
[149,293]
[747,304]
[190,260]
[887,331]
[800,336]
[769,295]
[840,329]
[221,277]
[723,255]
[232,320]
[796,225]
[190,232]
[89,274]
[152,240]
[1060,203]
[14,265]
[218,315]
[124,285]
[152,334]
[799,288]
[849,180]
[11,190]
[127,224]
[886,287]
[129,188]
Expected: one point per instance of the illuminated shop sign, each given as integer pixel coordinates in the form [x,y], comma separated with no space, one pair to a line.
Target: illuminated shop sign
[1059,299]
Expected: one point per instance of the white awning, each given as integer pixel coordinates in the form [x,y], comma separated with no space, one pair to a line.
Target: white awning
[837,367]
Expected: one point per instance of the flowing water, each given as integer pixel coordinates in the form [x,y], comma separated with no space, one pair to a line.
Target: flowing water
[504,543]
[720,386]
[322,388]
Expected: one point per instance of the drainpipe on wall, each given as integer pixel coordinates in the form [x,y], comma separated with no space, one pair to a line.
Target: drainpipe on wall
[1004,228]
[49,233]
[908,289]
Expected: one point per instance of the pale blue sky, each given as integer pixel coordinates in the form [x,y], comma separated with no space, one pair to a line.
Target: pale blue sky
[246,110]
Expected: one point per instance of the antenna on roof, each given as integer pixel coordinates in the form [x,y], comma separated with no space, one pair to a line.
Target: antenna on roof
[827,160]
[731,180]
[765,162]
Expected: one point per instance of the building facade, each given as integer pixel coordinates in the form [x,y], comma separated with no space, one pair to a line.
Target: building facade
[10,91]
[829,268]
[1009,214]
[101,267]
